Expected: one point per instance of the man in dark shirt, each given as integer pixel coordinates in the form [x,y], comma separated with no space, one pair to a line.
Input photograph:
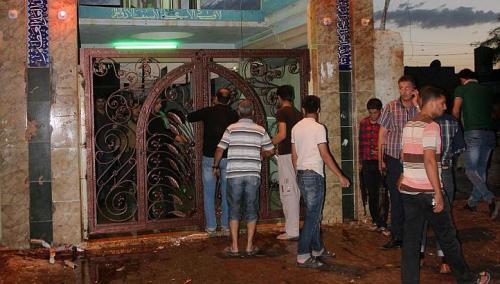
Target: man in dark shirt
[286,117]
[215,121]
[474,103]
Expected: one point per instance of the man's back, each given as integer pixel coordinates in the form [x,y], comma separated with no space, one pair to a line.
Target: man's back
[290,116]
[477,105]
[306,135]
[215,120]
[244,141]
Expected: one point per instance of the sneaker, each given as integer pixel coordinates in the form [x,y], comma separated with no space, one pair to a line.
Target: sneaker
[493,209]
[470,208]
[211,233]
[285,237]
[392,244]
[226,232]
[312,263]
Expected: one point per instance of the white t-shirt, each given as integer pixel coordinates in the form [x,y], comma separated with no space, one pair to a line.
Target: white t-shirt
[306,135]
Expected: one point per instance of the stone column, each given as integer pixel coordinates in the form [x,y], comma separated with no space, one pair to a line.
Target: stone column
[64,120]
[322,43]
[343,89]
[14,185]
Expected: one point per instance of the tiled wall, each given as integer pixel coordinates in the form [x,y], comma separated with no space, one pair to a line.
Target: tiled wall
[363,75]
[322,43]
[14,183]
[388,64]
[64,119]
[343,94]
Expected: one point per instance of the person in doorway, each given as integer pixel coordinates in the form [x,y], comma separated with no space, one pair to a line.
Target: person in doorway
[475,103]
[286,117]
[392,120]
[215,120]
[368,155]
[310,153]
[246,143]
[422,194]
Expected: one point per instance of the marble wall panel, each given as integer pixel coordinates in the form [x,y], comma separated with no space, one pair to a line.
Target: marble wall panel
[15,225]
[67,222]
[14,176]
[388,63]
[64,131]
[65,116]
[14,191]
[65,181]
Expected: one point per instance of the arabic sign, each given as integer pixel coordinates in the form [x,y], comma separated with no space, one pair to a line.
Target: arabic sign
[38,33]
[344,35]
[164,14]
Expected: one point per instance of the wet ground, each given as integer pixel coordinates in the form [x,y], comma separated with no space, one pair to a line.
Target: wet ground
[178,258]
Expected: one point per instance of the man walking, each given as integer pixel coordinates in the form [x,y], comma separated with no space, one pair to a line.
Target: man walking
[475,103]
[215,120]
[423,196]
[245,141]
[286,117]
[310,153]
[392,120]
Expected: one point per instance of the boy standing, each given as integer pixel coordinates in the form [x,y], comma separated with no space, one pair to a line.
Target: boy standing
[368,156]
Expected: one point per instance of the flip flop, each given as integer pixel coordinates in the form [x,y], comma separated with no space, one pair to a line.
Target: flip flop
[253,252]
[227,251]
[481,275]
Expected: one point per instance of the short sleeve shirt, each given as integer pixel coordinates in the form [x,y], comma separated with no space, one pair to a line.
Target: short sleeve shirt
[290,116]
[307,134]
[393,118]
[419,135]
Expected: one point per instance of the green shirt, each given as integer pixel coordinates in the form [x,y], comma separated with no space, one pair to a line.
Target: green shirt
[477,105]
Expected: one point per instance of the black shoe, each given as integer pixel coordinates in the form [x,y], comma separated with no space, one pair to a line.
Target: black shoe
[470,208]
[392,244]
[493,209]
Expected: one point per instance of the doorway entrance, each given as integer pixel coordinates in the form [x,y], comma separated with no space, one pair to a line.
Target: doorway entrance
[143,157]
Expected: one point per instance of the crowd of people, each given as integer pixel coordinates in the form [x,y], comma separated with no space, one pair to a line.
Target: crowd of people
[408,147]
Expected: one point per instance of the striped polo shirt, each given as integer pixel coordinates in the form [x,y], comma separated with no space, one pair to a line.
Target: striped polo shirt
[244,141]
[419,134]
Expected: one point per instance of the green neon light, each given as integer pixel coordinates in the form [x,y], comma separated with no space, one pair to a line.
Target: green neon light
[145,45]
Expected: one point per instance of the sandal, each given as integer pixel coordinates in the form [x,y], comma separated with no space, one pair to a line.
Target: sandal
[312,263]
[228,251]
[444,268]
[253,252]
[485,276]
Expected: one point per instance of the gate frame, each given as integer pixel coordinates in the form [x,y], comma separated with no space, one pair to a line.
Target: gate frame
[201,65]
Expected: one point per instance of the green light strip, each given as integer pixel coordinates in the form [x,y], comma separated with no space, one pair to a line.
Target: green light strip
[145,45]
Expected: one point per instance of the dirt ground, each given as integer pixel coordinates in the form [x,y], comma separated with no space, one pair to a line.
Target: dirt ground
[177,258]
[359,259]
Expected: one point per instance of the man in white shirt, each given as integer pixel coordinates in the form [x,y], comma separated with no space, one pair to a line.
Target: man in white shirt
[310,153]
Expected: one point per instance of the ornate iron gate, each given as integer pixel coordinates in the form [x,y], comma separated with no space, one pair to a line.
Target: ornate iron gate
[143,157]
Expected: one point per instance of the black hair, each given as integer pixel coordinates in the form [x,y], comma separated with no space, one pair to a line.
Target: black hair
[223,96]
[311,104]
[466,74]
[430,93]
[286,92]
[407,78]
[374,103]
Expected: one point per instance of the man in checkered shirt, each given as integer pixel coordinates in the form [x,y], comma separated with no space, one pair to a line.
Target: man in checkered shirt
[392,120]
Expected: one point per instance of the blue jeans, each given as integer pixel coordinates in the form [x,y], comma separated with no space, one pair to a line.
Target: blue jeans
[209,183]
[394,170]
[479,145]
[243,191]
[312,189]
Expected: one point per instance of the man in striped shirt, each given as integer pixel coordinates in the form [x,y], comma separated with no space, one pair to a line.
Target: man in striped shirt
[246,142]
[422,195]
